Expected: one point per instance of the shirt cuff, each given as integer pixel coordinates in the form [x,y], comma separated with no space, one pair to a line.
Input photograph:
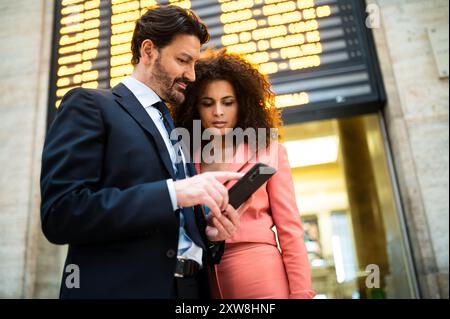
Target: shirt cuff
[172,193]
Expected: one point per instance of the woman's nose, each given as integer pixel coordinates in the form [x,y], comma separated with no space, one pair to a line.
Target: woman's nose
[218,110]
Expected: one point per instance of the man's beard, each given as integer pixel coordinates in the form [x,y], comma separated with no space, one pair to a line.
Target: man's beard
[167,86]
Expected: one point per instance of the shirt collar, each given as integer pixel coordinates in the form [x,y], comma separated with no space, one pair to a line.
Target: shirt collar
[145,95]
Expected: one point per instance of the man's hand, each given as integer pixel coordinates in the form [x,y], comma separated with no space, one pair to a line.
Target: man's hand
[205,189]
[224,226]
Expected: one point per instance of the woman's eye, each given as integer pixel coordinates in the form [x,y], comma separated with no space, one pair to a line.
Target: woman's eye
[182,61]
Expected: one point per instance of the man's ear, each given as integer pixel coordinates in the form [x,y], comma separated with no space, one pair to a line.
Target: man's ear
[148,51]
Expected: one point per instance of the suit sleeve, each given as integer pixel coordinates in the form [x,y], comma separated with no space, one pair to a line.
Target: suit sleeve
[289,228]
[75,208]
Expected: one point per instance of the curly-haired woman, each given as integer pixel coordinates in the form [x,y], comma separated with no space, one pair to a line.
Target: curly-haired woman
[229,93]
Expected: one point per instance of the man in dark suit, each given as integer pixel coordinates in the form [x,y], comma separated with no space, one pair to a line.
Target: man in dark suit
[112,184]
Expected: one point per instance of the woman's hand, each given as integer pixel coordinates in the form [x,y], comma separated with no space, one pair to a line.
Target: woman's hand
[226,224]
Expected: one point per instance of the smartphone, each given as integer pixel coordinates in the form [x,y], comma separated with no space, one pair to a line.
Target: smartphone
[249,183]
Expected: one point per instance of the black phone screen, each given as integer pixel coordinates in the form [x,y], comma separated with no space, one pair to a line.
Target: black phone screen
[249,183]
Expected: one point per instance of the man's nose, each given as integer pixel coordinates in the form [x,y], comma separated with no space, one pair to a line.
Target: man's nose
[190,73]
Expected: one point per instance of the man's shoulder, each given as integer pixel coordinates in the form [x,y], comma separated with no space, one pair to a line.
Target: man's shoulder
[87,92]
[80,96]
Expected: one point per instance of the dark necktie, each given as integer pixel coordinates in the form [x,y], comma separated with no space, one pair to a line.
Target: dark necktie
[168,123]
[188,212]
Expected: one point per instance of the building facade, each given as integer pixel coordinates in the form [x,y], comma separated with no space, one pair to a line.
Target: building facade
[404,203]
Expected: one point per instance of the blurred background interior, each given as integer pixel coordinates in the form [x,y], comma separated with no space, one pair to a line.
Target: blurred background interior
[363,86]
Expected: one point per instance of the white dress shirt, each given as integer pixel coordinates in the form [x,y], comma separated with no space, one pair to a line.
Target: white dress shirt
[147,97]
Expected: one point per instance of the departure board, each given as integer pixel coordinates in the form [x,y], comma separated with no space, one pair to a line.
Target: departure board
[318,54]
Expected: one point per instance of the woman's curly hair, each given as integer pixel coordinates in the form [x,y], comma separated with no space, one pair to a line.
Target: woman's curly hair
[256,101]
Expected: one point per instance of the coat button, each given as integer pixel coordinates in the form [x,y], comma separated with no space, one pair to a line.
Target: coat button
[170,253]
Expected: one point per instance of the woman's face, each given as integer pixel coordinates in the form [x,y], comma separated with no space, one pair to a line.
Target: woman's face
[218,107]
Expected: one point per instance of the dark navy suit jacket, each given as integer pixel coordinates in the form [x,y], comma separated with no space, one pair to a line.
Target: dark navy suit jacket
[104,192]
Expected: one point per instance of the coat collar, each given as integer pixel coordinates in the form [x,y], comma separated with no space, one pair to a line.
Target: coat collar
[130,103]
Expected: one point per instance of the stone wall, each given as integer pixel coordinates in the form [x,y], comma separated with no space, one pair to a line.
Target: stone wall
[25,34]
[417,124]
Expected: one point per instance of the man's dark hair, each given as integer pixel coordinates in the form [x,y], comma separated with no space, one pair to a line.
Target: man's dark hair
[255,99]
[161,24]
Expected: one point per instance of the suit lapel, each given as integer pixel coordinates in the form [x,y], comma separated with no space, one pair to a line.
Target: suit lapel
[130,103]
[191,170]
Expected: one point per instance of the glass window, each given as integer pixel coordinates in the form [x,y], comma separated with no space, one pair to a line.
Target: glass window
[353,231]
